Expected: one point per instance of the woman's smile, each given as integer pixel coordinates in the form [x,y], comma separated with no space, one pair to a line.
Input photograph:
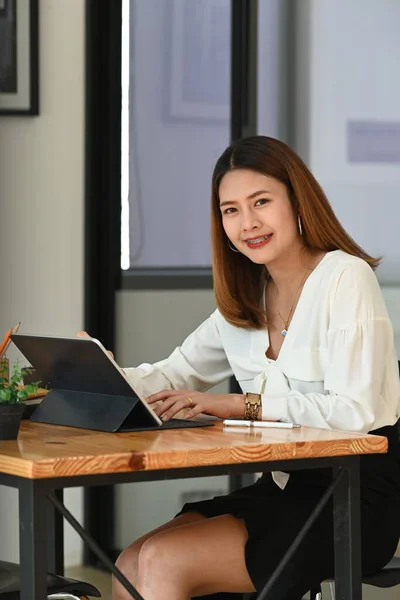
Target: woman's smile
[258,242]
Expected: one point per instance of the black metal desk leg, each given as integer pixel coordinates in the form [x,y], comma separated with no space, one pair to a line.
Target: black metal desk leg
[55,537]
[32,540]
[347,532]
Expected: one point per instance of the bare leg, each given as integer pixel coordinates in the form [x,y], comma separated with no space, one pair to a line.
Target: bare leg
[128,560]
[202,557]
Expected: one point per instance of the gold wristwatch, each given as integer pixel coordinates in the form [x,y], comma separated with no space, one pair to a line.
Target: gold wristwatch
[253,405]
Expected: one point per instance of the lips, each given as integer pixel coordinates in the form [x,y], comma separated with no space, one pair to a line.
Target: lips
[258,242]
[257,239]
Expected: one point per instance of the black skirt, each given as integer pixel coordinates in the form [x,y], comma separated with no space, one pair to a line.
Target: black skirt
[273,518]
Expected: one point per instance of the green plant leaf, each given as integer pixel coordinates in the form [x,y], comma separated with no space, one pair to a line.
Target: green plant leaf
[9,390]
[5,395]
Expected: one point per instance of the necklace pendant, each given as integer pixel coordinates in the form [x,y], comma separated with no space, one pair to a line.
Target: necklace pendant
[284,332]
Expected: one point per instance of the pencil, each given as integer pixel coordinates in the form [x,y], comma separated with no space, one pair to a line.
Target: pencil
[7,340]
[4,342]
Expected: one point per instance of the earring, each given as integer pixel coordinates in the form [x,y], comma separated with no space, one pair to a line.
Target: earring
[300,227]
[233,248]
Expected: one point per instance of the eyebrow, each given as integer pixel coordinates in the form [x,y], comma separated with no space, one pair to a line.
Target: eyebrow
[253,195]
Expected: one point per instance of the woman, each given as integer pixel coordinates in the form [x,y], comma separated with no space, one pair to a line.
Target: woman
[302,325]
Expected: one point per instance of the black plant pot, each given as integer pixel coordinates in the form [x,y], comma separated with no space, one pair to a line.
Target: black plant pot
[10,419]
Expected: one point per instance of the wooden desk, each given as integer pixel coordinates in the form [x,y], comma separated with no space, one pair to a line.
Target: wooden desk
[47,457]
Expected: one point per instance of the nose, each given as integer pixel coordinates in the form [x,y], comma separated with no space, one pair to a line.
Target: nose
[250,220]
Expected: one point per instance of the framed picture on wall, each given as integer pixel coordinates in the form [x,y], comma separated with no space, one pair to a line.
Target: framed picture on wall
[19,67]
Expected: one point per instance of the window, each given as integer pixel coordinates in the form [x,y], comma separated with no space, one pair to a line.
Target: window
[176,92]
[176,122]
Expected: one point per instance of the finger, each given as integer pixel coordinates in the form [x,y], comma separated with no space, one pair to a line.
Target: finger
[163,395]
[176,407]
[111,354]
[193,412]
[162,408]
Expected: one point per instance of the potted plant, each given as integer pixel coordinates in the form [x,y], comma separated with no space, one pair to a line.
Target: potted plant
[12,395]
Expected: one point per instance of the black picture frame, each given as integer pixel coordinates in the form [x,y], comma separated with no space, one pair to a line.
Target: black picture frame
[19,57]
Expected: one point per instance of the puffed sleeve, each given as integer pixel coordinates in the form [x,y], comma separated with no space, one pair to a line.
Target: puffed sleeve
[198,364]
[360,350]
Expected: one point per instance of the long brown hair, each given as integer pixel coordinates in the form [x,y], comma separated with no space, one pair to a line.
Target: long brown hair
[238,282]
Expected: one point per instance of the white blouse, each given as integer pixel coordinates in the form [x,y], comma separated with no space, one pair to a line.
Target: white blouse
[337,367]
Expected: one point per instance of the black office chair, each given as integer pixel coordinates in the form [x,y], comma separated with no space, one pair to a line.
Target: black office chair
[387,578]
[10,584]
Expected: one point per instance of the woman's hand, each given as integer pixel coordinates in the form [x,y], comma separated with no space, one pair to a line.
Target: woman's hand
[172,402]
[86,335]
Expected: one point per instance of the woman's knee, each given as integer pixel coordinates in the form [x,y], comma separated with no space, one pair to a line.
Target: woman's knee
[161,558]
[132,557]
[151,554]
[158,555]
[127,561]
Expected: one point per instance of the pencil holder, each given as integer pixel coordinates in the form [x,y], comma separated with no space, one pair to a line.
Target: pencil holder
[5,368]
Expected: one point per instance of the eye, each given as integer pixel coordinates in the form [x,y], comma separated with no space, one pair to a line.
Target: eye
[229,211]
[262,201]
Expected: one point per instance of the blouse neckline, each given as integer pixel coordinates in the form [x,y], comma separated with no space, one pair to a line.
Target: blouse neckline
[289,334]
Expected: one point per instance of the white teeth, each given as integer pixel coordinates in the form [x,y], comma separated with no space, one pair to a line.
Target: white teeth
[258,240]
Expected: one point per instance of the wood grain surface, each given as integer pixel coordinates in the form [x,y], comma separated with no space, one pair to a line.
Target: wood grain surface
[53,451]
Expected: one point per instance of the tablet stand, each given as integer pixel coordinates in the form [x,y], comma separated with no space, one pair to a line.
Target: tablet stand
[102,412]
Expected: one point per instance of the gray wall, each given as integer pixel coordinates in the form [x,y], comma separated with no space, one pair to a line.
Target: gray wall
[41,218]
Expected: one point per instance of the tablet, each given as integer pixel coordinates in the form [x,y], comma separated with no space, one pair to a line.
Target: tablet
[87,387]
